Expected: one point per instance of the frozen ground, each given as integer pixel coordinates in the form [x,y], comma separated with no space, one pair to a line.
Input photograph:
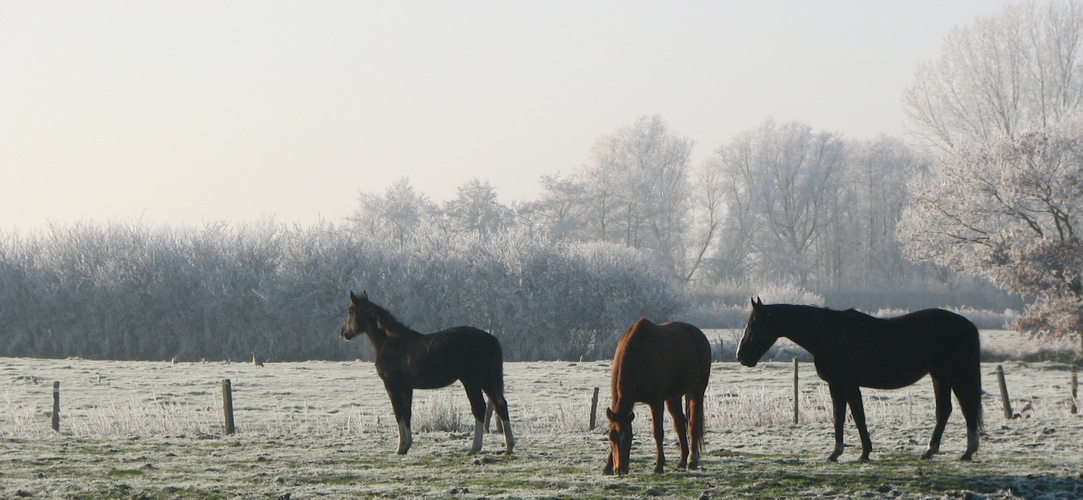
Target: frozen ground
[325,430]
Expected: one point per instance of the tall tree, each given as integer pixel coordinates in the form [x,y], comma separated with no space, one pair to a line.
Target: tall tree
[637,190]
[1009,211]
[1013,71]
[785,194]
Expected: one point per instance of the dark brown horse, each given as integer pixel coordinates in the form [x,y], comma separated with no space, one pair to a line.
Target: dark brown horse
[408,360]
[658,364]
[853,350]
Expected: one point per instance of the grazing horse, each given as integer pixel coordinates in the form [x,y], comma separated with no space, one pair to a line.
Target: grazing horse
[853,350]
[658,364]
[408,360]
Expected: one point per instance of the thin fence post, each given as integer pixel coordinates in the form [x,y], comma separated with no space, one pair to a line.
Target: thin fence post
[227,405]
[593,408]
[56,406]
[1075,390]
[1004,393]
[796,395]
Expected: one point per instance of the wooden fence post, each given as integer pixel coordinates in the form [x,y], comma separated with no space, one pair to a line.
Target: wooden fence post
[1075,390]
[796,396]
[1004,393]
[593,408]
[227,405]
[56,406]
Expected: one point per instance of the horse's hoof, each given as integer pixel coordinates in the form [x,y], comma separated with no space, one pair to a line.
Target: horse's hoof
[608,471]
[863,459]
[966,457]
[659,470]
[833,458]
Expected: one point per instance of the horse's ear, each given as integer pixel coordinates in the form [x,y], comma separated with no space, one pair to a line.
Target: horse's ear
[353,298]
[757,302]
[365,294]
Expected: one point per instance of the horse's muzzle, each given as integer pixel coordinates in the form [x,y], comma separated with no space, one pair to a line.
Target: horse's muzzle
[347,334]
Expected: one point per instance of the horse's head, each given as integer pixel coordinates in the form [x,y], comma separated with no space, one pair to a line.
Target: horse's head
[356,322]
[760,334]
[620,440]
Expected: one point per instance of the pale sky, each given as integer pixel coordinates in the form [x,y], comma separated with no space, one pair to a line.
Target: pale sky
[180,112]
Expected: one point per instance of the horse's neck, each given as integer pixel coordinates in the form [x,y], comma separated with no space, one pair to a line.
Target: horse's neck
[806,334]
[378,338]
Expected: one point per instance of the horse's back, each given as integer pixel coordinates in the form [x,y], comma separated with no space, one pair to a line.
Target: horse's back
[889,353]
[941,327]
[666,360]
[458,353]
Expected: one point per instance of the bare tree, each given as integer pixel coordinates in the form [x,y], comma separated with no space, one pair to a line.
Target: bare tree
[638,192]
[785,194]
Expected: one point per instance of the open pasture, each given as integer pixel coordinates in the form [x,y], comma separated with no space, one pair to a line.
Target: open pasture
[325,430]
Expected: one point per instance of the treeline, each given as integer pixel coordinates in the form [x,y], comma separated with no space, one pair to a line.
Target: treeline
[129,291]
[780,204]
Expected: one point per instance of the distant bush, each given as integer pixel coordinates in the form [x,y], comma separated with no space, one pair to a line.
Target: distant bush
[127,291]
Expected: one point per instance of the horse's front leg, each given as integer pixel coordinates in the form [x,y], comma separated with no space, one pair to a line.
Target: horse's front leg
[657,416]
[680,425]
[857,409]
[402,396]
[838,401]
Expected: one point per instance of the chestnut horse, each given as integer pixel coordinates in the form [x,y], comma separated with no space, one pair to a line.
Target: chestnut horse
[408,360]
[658,364]
[852,350]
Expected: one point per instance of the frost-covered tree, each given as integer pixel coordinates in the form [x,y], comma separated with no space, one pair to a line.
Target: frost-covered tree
[1009,211]
[476,209]
[1019,69]
[784,195]
[877,174]
[637,191]
[397,214]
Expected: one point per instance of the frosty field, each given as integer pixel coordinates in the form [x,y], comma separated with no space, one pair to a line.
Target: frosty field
[325,430]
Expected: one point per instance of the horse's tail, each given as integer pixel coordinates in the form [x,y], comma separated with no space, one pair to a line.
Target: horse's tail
[696,416]
[970,396]
[495,386]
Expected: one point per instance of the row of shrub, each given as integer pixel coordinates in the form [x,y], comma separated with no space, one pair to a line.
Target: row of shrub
[129,291]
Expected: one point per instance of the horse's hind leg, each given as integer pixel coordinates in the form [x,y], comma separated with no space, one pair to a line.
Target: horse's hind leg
[500,406]
[970,404]
[680,425]
[477,407]
[838,401]
[857,409]
[942,391]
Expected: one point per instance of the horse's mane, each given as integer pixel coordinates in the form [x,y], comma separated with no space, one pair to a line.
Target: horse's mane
[846,314]
[388,322]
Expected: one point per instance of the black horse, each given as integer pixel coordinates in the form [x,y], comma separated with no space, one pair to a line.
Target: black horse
[853,350]
[408,360]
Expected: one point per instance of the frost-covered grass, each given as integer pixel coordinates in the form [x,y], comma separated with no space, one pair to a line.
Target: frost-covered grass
[325,430]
